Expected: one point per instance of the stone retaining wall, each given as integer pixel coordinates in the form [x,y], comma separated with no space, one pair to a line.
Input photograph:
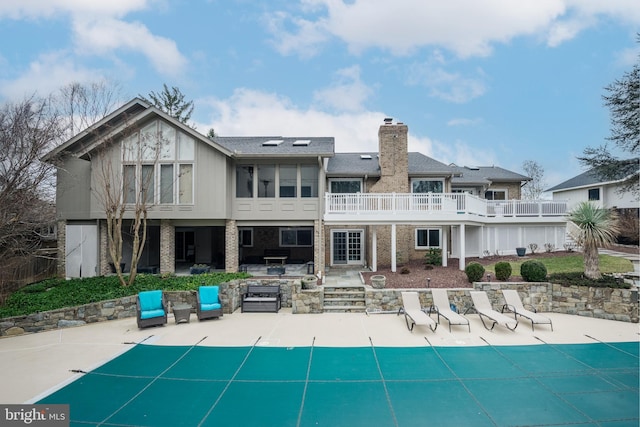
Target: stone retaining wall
[603,303]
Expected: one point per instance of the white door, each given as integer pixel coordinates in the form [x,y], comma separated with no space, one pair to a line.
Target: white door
[81,250]
[346,247]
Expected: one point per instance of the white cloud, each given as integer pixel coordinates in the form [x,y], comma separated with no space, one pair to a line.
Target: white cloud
[347,93]
[249,113]
[46,75]
[108,35]
[451,87]
[98,28]
[465,27]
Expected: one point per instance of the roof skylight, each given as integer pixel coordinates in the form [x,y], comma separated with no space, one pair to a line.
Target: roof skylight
[365,156]
[272,143]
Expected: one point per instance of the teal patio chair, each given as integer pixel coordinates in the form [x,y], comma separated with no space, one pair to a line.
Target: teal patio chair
[208,302]
[151,309]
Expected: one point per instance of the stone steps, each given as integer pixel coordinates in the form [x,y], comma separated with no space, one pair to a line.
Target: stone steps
[344,299]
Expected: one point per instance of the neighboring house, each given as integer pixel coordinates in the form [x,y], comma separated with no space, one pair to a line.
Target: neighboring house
[589,187]
[228,201]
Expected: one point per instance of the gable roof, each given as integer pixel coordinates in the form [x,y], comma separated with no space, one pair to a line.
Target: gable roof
[485,175]
[277,146]
[129,114]
[586,179]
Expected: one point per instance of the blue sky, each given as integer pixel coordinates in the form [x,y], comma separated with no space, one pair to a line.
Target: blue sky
[478,82]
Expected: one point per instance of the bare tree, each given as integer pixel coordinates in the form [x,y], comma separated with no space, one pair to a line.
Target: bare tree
[533,189]
[82,105]
[28,129]
[126,189]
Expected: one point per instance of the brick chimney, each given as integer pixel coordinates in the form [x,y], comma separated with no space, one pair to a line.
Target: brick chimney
[393,158]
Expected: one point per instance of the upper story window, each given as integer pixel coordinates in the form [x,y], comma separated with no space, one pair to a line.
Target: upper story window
[158,162]
[594,194]
[286,181]
[495,195]
[421,185]
[345,185]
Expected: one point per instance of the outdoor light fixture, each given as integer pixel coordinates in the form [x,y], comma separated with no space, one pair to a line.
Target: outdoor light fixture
[488,277]
[428,282]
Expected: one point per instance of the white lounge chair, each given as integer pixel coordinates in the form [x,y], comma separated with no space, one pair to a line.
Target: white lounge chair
[442,306]
[413,311]
[514,304]
[482,305]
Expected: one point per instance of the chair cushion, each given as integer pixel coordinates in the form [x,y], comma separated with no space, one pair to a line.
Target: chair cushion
[148,314]
[208,295]
[151,300]
[214,306]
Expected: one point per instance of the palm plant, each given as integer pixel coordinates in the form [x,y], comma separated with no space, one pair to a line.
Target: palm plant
[594,227]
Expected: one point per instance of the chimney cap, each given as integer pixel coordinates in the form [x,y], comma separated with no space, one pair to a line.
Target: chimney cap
[388,120]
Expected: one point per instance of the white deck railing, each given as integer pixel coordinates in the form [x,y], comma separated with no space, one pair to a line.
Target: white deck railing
[454,203]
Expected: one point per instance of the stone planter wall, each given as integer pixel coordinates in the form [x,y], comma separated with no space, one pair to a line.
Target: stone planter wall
[603,303]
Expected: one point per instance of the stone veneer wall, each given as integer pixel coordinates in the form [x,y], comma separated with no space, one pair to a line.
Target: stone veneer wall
[603,303]
[167,247]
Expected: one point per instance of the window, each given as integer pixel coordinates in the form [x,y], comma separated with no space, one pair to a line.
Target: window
[288,180]
[150,159]
[309,181]
[266,181]
[244,181]
[185,184]
[427,186]
[296,236]
[495,195]
[246,237]
[345,186]
[594,194]
[427,238]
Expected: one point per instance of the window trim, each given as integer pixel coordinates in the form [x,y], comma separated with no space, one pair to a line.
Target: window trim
[441,180]
[296,229]
[497,190]
[589,191]
[242,230]
[358,180]
[427,229]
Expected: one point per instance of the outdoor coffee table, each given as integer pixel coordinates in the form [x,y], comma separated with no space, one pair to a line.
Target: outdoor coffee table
[182,312]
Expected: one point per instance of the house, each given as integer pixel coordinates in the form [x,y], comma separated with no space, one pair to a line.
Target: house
[228,201]
[588,186]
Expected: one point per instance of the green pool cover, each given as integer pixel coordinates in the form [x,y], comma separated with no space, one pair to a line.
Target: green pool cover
[540,385]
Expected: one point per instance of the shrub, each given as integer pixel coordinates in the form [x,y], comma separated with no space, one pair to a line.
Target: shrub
[503,270]
[549,247]
[579,279]
[474,271]
[405,270]
[533,247]
[533,271]
[433,256]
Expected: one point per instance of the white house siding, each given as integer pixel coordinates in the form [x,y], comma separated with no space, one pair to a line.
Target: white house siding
[609,197]
[504,239]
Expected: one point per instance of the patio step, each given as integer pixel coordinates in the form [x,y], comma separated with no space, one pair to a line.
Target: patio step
[344,299]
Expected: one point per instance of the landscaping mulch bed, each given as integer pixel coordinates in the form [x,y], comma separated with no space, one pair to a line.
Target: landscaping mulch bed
[451,276]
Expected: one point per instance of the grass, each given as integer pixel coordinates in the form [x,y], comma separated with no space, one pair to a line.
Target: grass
[572,264]
[53,294]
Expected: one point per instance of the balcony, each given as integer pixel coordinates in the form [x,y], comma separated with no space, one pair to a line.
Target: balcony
[446,207]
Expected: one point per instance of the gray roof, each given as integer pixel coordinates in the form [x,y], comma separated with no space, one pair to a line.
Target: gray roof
[485,175]
[251,146]
[586,178]
[366,163]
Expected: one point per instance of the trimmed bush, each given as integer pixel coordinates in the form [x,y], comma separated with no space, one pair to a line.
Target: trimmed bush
[474,271]
[503,270]
[533,271]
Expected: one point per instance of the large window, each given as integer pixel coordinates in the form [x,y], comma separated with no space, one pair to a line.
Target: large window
[154,160]
[309,180]
[288,180]
[345,186]
[296,236]
[427,238]
[427,186]
[495,195]
[291,181]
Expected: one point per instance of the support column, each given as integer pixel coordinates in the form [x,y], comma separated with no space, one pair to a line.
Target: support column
[62,244]
[167,247]
[104,258]
[445,246]
[231,246]
[374,249]
[393,248]
[462,247]
[318,248]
